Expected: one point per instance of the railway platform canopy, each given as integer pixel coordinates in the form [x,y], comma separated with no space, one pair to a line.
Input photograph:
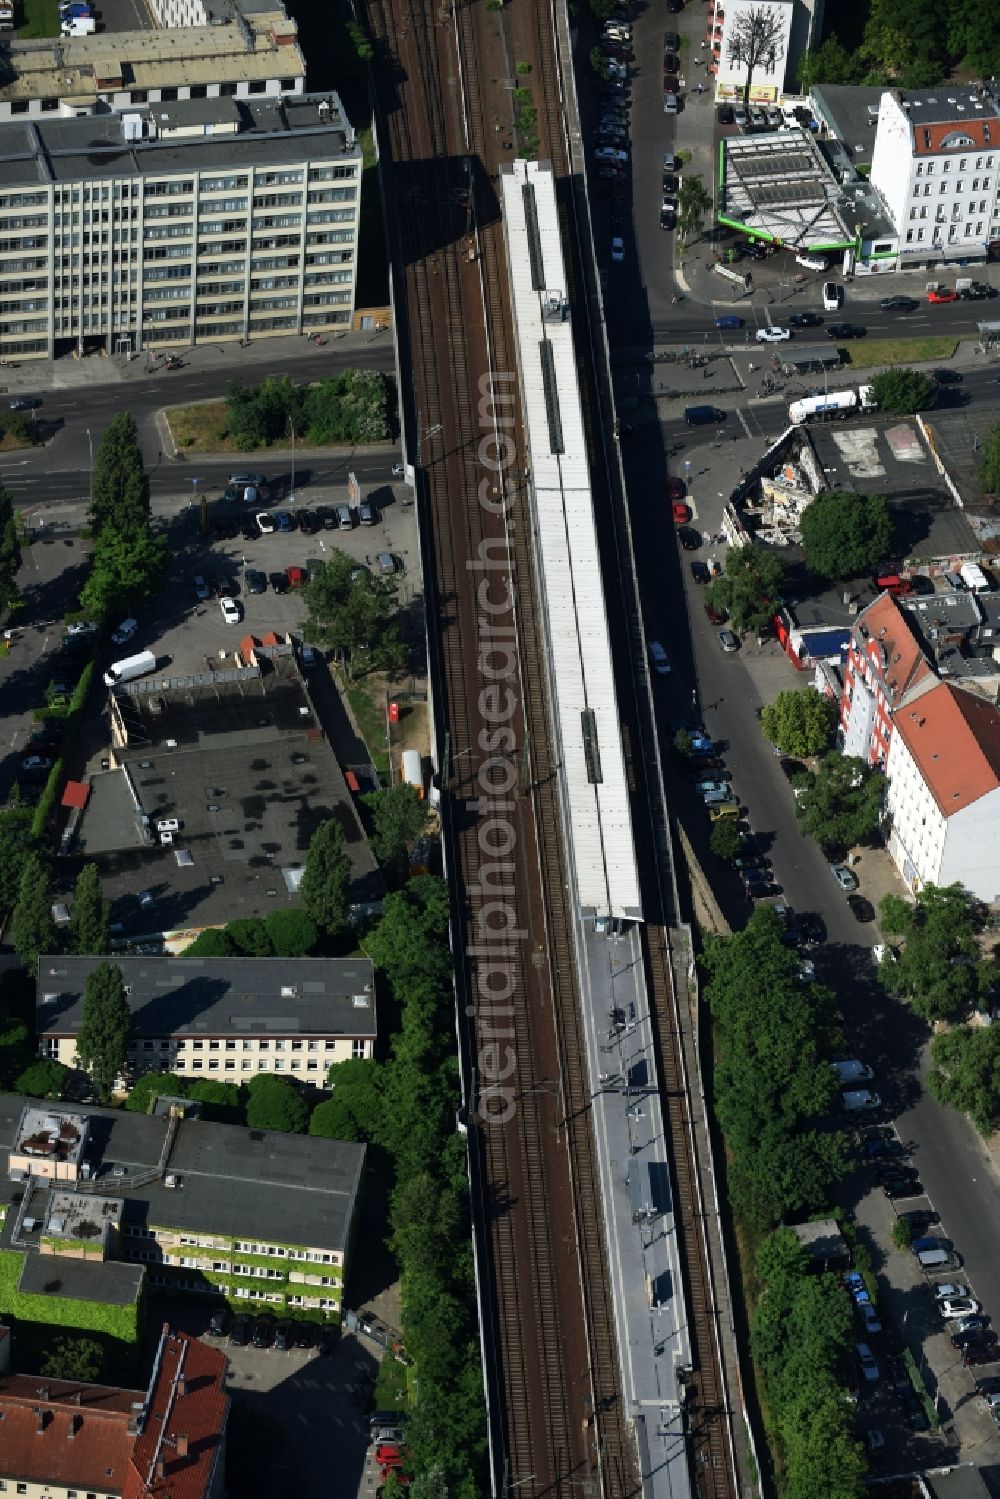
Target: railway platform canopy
[580,667]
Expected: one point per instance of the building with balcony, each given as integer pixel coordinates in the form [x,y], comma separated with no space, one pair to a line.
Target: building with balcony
[99,1201]
[943,797]
[200,219]
[221,1018]
[87,1441]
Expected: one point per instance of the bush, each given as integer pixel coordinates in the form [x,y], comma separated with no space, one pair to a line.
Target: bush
[902,1233]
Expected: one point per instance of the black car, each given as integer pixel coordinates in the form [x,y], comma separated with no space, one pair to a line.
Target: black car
[217,1322]
[725,114]
[669,182]
[946,377]
[899,304]
[239,1333]
[896,1187]
[671,41]
[255,581]
[690,540]
[226,588]
[862,908]
[303,1334]
[882,1148]
[805,320]
[916,1416]
[279,582]
[225,530]
[977,292]
[263,1331]
[845,330]
[973,1337]
[327,517]
[327,1340]
[700,572]
[283,1337]
[668,219]
[249,529]
[24,403]
[671,63]
[812,926]
[899,1378]
[986,1353]
[308,522]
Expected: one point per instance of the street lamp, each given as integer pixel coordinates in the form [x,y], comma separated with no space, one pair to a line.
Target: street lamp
[90,482]
[291,492]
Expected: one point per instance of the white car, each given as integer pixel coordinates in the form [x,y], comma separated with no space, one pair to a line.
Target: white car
[833,295]
[617,249]
[659,658]
[866,1359]
[82,627]
[948,1289]
[125,631]
[266,522]
[230,611]
[200,587]
[773,335]
[958,1306]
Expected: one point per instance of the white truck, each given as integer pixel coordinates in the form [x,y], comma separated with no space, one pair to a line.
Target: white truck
[832,405]
[131,666]
[974,578]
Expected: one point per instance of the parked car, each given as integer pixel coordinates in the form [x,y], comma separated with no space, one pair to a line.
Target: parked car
[846,878]
[942,294]
[231,612]
[303,1334]
[981,1353]
[255,581]
[125,631]
[869,1317]
[217,1321]
[863,909]
[263,1331]
[239,1333]
[867,1362]
[700,572]
[729,641]
[308,522]
[201,589]
[278,582]
[266,523]
[284,520]
[327,517]
[957,1306]
[948,1290]
[659,658]
[283,1337]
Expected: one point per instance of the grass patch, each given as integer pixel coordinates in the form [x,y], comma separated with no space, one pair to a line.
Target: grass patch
[367,700]
[39,18]
[392,1389]
[880,353]
[9,443]
[204,428]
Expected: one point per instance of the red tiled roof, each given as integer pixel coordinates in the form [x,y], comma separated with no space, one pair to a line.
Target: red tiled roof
[954,739]
[890,635]
[175,1456]
[931,138]
[83,1442]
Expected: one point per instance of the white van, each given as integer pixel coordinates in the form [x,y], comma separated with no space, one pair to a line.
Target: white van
[79,26]
[131,666]
[833,295]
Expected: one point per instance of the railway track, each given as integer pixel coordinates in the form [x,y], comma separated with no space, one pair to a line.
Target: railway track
[549,1341]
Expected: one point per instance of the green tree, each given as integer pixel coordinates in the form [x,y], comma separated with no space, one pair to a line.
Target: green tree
[973,37]
[693,202]
[902,1233]
[938,967]
[90,923]
[32,929]
[105,1028]
[350,407]
[400,817]
[293,933]
[326,881]
[902,391]
[724,840]
[125,566]
[966,1074]
[355,1111]
[830,63]
[220,1101]
[989,468]
[599,62]
[212,942]
[15,846]
[683,744]
[249,936]
[274,1103]
[10,550]
[119,488]
[79,1360]
[904,41]
[411,941]
[841,803]
[153,1085]
[43,1079]
[749,589]
[844,535]
[800,722]
[355,614]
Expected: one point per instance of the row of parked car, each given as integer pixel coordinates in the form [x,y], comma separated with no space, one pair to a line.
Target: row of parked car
[267,1331]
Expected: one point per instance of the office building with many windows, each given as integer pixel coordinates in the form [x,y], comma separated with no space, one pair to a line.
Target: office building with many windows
[222,1018]
[202,219]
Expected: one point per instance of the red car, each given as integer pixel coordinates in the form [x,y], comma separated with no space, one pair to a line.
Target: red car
[296,577]
[942,296]
[386,1455]
[682,512]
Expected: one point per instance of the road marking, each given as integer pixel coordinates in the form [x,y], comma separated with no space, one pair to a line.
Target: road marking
[743,421]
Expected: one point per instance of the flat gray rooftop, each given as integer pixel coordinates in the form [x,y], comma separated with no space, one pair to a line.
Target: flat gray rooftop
[240,761]
[110,1282]
[219,996]
[293,1189]
[851,114]
[95,147]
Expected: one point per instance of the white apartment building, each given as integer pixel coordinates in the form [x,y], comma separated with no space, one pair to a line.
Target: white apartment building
[943,799]
[222,1018]
[936,163]
[204,219]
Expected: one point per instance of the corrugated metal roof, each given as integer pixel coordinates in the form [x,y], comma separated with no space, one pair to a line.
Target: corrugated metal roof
[577,624]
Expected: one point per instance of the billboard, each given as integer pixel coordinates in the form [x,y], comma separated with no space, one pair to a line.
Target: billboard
[755,38]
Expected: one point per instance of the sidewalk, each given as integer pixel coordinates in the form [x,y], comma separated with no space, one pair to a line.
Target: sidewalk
[256,360]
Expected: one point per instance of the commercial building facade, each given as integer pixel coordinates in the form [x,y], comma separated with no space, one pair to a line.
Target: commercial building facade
[256,1216]
[221,1018]
[205,219]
